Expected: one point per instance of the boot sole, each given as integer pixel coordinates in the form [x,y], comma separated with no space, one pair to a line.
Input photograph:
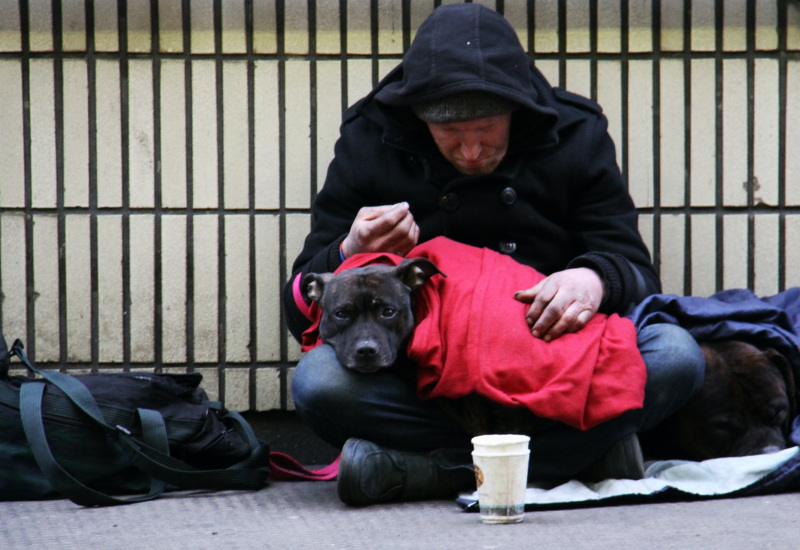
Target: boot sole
[347,481]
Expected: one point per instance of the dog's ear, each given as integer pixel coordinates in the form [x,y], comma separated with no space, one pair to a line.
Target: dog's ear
[783,365]
[414,272]
[313,285]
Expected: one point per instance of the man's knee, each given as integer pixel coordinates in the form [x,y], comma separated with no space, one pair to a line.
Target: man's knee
[675,370]
[672,357]
[318,382]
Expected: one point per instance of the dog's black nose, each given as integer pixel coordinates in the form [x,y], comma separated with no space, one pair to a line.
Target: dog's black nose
[367,349]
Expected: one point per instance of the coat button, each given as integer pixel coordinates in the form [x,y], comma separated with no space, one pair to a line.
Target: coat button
[508,247]
[449,202]
[508,196]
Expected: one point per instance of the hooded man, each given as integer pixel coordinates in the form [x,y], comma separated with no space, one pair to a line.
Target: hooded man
[467,139]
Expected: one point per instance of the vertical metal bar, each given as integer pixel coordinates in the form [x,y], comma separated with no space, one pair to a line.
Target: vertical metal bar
[343,52]
[562,43]
[280,16]
[751,40]
[593,57]
[122,32]
[782,83]
[251,197]
[186,12]
[158,303]
[28,199]
[656,37]
[531,24]
[719,184]
[58,88]
[27,160]
[222,331]
[405,8]
[624,84]
[91,58]
[312,70]
[374,30]
[687,208]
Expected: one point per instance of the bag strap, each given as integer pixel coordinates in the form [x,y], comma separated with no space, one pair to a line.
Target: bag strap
[30,398]
[72,388]
[260,452]
[175,472]
[150,456]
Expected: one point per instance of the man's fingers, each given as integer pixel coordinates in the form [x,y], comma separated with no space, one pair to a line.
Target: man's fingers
[524,296]
[400,239]
[571,320]
[369,213]
[563,302]
[540,298]
[545,321]
[384,221]
[527,296]
[388,228]
[396,231]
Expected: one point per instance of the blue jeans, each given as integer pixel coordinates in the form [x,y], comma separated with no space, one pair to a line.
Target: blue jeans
[383,407]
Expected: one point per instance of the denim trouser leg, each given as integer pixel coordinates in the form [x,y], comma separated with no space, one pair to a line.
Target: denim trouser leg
[675,371]
[383,407]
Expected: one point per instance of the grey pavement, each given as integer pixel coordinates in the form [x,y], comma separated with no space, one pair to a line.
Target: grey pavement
[308,515]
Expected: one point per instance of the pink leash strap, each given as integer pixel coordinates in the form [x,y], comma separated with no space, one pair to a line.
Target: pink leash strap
[286,468]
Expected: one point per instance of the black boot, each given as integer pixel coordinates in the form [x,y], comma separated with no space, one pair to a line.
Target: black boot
[369,474]
[622,461]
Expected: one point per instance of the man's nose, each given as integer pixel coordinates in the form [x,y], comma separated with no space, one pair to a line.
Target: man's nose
[471,149]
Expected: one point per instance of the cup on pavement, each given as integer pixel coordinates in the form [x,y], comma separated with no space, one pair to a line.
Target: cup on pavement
[501,473]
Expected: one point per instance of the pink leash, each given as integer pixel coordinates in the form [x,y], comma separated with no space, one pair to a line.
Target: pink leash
[286,468]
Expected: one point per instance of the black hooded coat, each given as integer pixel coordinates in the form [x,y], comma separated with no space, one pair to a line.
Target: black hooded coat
[557,200]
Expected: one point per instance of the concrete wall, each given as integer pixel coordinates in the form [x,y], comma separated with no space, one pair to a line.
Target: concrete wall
[158,158]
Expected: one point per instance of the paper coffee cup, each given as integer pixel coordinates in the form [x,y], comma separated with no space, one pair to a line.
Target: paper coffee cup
[501,473]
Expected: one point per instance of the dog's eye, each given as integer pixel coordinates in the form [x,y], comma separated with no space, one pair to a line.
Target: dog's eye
[342,314]
[388,312]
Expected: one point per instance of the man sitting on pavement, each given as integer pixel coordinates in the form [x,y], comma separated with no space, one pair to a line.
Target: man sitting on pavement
[467,139]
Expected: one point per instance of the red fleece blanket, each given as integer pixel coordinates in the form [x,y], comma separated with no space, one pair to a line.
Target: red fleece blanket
[471,337]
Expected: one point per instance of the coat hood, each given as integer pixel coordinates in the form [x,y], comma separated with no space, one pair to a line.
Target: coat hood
[465,47]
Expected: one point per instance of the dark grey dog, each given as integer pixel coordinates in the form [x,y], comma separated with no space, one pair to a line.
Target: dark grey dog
[367,311]
[367,317]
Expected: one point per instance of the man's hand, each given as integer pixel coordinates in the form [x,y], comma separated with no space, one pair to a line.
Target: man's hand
[389,228]
[563,302]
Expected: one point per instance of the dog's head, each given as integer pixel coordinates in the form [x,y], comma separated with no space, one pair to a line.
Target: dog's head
[367,312]
[744,407]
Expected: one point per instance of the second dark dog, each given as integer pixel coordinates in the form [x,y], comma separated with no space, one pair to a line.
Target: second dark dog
[744,407]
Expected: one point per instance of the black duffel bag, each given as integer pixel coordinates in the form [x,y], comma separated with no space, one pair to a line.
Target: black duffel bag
[90,437]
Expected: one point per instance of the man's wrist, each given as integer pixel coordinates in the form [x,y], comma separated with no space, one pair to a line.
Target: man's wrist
[334,253]
[603,284]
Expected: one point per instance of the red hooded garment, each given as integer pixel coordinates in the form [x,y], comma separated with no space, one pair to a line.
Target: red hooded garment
[471,337]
